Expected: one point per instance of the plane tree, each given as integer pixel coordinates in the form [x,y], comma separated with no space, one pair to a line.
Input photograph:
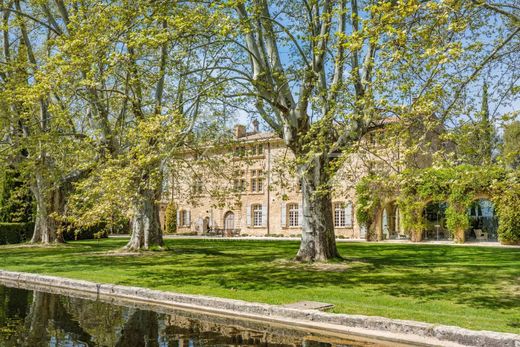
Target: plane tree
[95,100]
[322,74]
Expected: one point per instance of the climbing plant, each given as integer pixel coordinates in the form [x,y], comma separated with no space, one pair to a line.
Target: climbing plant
[507,201]
[458,186]
[368,203]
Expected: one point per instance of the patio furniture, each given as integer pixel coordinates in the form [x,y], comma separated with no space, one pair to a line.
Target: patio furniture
[480,235]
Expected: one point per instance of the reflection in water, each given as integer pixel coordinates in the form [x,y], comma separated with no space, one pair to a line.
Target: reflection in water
[32,318]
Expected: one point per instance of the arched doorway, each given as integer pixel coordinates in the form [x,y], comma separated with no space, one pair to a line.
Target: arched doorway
[435,221]
[391,221]
[483,223]
[229,221]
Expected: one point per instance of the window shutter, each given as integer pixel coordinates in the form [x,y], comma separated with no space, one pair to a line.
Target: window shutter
[248,215]
[300,215]
[179,218]
[348,214]
[189,218]
[264,215]
[284,215]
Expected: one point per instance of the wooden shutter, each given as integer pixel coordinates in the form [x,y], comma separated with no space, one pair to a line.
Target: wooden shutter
[179,218]
[264,215]
[348,214]
[189,218]
[248,215]
[284,215]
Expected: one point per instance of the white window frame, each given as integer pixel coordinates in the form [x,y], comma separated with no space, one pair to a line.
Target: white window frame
[293,215]
[257,215]
[340,218]
[184,218]
[257,181]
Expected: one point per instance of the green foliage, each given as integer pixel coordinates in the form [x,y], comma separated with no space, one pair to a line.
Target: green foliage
[476,139]
[86,233]
[11,233]
[511,147]
[507,201]
[432,283]
[458,186]
[15,198]
[367,201]
[171,218]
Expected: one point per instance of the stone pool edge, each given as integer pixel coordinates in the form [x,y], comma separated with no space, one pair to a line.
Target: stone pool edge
[397,330]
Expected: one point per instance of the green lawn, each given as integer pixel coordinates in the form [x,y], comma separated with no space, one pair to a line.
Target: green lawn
[473,287]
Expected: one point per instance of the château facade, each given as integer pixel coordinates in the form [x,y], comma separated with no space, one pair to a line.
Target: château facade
[253,191]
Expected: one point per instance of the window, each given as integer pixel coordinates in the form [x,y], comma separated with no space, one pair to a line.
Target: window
[239,183]
[165,185]
[197,186]
[293,217]
[257,181]
[184,218]
[256,150]
[339,215]
[256,211]
[239,151]
[342,214]
[259,149]
[298,186]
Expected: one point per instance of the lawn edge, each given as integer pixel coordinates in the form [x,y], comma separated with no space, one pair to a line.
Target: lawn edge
[396,330]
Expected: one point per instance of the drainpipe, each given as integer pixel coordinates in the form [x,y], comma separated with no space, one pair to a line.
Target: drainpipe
[268,185]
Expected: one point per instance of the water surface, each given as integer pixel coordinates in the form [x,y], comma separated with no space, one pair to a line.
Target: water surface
[37,318]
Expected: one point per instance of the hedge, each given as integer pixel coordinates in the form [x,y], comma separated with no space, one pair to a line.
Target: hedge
[11,233]
[86,233]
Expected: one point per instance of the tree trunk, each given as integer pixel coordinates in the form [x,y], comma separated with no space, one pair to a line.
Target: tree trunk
[318,239]
[460,235]
[49,202]
[145,224]
[48,315]
[142,329]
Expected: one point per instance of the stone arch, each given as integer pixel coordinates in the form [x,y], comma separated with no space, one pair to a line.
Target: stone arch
[390,220]
[483,221]
[386,224]
[229,221]
[433,215]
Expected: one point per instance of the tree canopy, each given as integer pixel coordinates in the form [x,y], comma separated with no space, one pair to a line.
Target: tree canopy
[96,97]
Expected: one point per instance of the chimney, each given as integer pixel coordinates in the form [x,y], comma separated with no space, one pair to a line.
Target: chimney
[240,131]
[256,126]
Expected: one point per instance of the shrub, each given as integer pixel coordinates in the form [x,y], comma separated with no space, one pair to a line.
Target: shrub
[170,219]
[86,233]
[11,233]
[507,203]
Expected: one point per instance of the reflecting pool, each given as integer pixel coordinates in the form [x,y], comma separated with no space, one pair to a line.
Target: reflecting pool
[37,318]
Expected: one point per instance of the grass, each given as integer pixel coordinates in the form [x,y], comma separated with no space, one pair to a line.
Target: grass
[472,287]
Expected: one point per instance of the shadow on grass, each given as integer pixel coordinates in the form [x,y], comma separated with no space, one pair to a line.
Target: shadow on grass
[474,277]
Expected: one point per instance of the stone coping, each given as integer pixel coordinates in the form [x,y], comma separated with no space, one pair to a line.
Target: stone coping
[402,331]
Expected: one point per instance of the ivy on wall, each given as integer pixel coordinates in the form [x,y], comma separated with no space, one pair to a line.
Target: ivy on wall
[459,186]
[507,205]
[369,203]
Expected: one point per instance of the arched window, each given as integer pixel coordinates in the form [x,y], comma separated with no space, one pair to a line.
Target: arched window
[229,221]
[293,215]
